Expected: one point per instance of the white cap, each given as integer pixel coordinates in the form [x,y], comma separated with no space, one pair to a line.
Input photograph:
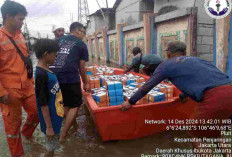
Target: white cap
[54,28]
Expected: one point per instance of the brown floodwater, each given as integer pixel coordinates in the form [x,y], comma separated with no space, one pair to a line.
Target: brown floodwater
[87,142]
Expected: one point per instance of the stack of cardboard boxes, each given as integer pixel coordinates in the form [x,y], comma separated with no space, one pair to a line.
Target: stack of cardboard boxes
[111,90]
[115,92]
[94,82]
[92,69]
[121,78]
[100,70]
[166,89]
[155,96]
[100,96]
[130,90]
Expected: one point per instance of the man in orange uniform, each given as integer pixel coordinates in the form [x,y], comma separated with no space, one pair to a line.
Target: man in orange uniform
[16,90]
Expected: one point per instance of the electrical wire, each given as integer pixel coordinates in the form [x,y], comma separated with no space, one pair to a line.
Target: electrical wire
[102,12]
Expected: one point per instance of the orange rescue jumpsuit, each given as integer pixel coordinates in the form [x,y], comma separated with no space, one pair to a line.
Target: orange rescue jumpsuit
[14,81]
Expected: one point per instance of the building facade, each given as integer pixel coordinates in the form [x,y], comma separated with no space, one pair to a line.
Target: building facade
[169,20]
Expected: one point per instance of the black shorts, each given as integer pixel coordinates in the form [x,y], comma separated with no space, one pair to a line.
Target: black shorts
[72,94]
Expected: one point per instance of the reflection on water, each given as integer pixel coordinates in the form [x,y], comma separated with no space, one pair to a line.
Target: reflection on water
[87,142]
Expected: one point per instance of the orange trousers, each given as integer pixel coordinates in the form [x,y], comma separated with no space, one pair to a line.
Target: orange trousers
[12,117]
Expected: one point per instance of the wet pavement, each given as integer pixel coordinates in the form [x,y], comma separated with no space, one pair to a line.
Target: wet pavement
[87,142]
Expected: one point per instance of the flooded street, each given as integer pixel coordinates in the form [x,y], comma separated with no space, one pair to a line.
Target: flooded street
[184,45]
[87,142]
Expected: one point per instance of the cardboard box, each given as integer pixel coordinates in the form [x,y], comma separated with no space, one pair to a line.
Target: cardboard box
[97,85]
[145,101]
[119,92]
[118,85]
[113,99]
[88,78]
[113,104]
[89,69]
[128,82]
[119,103]
[120,98]
[97,80]
[102,104]
[110,85]
[111,93]
[91,85]
[101,97]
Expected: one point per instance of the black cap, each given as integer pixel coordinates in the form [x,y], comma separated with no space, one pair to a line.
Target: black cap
[176,46]
[136,50]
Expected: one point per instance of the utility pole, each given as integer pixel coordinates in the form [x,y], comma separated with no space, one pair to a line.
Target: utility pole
[101,12]
[26,35]
[71,17]
[83,11]
[107,4]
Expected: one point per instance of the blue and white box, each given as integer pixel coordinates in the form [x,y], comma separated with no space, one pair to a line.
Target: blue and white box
[119,103]
[113,99]
[118,85]
[119,92]
[128,82]
[110,85]
[113,104]
[120,98]
[89,73]
[111,93]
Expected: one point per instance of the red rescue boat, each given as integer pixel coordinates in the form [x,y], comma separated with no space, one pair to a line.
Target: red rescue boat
[139,121]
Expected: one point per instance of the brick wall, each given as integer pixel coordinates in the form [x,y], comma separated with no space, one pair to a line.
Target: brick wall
[205,36]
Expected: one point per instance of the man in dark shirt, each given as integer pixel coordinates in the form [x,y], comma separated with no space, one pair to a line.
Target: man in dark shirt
[197,79]
[150,61]
[69,65]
